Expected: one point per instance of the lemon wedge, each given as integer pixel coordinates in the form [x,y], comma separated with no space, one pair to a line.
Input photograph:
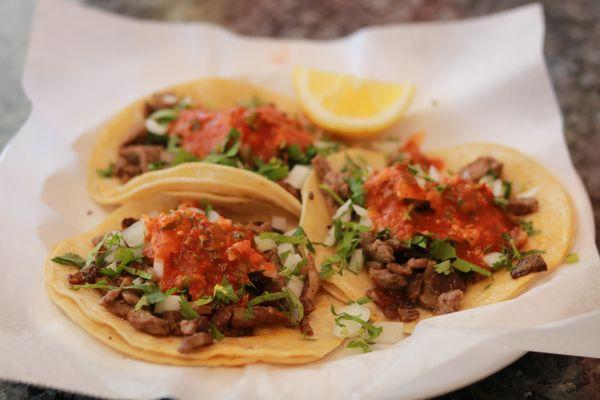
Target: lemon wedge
[348,105]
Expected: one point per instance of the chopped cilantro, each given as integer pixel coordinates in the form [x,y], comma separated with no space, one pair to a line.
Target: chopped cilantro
[69,259]
[527,226]
[214,332]
[225,292]
[275,170]
[106,173]
[363,300]
[368,332]
[329,190]
[180,155]
[444,267]
[186,310]
[228,155]
[442,250]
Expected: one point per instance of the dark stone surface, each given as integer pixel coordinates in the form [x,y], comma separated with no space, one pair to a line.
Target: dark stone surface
[573,54]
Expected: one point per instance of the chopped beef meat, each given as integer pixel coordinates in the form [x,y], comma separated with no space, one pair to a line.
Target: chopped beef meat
[420,263]
[91,273]
[130,297]
[367,238]
[415,287]
[435,284]
[135,159]
[402,269]
[160,100]
[110,296]
[189,327]
[125,280]
[527,265]
[479,168]
[408,314]
[75,279]
[374,265]
[335,180]
[119,308]
[523,206]
[173,318]
[448,302]
[384,279]
[311,286]
[305,327]
[192,343]
[260,316]
[127,222]
[380,251]
[205,309]
[266,284]
[222,317]
[146,322]
[290,189]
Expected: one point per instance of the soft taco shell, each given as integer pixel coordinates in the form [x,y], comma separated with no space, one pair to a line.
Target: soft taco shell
[221,180]
[271,345]
[554,220]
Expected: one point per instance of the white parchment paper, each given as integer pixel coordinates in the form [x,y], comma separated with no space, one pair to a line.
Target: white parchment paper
[478,80]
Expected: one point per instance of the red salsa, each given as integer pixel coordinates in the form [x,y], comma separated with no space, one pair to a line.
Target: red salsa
[265,130]
[461,211]
[197,253]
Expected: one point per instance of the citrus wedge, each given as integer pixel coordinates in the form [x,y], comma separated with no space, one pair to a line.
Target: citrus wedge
[350,106]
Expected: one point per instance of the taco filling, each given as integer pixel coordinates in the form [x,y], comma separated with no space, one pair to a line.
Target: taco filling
[195,274]
[424,234]
[257,137]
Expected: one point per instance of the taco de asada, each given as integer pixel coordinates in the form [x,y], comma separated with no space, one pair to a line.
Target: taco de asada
[427,235]
[217,136]
[166,281]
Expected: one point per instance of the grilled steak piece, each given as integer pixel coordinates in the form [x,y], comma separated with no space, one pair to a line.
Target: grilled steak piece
[260,316]
[408,314]
[380,251]
[194,342]
[160,100]
[189,327]
[527,265]
[135,160]
[127,222]
[146,322]
[385,279]
[435,284]
[448,302]
[523,206]
[335,180]
[479,168]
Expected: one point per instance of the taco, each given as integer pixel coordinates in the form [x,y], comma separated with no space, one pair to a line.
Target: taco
[217,136]
[169,282]
[425,235]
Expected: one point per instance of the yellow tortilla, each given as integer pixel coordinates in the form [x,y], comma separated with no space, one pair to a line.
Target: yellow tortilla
[271,345]
[555,221]
[221,180]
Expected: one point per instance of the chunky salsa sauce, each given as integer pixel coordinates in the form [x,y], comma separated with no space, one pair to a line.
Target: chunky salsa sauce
[265,130]
[197,253]
[461,211]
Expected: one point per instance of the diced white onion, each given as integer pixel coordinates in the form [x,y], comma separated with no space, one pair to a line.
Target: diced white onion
[170,303]
[279,223]
[213,216]
[351,328]
[290,232]
[343,212]
[392,332]
[466,175]
[356,261]
[291,261]
[296,285]
[158,267]
[135,233]
[169,99]
[330,237]
[529,193]
[497,188]
[138,281]
[264,245]
[297,176]
[154,127]
[366,221]
[434,173]
[421,182]
[361,211]
[195,209]
[112,265]
[110,257]
[492,258]
[285,248]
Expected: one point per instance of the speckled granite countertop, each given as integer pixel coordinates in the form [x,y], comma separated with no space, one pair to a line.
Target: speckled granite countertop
[573,54]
